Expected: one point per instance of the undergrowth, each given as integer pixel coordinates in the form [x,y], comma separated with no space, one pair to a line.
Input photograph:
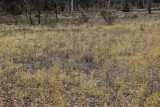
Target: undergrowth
[82,66]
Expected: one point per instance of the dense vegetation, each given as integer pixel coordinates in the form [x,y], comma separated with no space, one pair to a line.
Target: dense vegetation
[79,53]
[42,9]
[87,65]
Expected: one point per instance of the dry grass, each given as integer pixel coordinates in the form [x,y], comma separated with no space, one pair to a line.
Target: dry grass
[84,66]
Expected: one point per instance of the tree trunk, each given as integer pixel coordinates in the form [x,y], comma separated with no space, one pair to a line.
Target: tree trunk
[30,17]
[45,19]
[56,11]
[72,7]
[109,4]
[66,10]
[56,15]
[29,11]
[105,3]
[75,6]
[39,11]
[148,6]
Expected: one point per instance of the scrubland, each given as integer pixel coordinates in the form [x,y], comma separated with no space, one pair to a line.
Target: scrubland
[88,65]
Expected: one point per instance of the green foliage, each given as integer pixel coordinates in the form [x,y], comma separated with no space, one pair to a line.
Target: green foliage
[125,6]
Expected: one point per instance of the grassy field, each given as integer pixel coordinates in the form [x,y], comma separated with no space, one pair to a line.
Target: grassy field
[90,65]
